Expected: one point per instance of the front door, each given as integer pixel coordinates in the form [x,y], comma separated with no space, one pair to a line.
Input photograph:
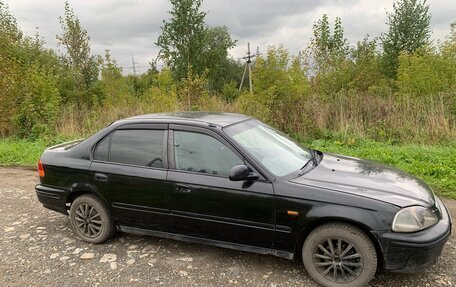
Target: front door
[129,170]
[205,202]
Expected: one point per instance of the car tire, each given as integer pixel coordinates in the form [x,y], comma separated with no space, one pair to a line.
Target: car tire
[339,255]
[91,219]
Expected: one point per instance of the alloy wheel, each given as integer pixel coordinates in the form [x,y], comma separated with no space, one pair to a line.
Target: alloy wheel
[338,260]
[88,220]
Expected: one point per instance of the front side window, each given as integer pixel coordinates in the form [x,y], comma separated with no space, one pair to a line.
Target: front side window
[202,153]
[278,153]
[135,147]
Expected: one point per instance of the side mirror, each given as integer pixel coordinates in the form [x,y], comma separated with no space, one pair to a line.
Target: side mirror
[241,172]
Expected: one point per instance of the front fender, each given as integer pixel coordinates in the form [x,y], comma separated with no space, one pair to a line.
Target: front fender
[297,217]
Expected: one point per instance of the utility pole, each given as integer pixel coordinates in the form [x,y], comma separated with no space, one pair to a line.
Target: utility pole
[257,54]
[133,65]
[248,66]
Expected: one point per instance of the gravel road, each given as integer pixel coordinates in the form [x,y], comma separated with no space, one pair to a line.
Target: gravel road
[38,248]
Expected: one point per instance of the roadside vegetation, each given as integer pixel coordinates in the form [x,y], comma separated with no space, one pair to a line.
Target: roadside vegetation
[390,98]
[435,164]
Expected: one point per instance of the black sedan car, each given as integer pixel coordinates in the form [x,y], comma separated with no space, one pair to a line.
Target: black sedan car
[231,181]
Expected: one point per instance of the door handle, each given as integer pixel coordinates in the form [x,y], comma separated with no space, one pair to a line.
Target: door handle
[101,177]
[183,188]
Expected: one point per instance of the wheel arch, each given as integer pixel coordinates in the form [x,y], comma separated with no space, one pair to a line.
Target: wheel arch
[81,189]
[363,227]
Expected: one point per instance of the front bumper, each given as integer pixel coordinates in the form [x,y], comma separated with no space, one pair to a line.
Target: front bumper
[52,198]
[413,252]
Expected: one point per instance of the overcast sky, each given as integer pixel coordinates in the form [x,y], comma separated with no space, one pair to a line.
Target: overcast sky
[130,27]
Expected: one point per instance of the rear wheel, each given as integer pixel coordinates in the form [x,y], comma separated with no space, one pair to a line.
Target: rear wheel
[339,255]
[91,219]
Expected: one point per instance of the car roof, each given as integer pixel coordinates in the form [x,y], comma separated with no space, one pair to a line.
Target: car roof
[219,119]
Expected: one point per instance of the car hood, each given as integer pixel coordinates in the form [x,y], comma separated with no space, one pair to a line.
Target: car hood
[368,179]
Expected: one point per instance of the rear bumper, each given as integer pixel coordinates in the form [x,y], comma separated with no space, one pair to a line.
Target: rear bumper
[52,198]
[413,252]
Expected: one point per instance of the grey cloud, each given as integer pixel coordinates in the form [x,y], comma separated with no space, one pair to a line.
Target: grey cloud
[130,27]
[256,18]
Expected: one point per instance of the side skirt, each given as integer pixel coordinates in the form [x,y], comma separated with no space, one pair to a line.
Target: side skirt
[191,239]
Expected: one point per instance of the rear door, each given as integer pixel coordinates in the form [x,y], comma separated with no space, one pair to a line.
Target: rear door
[205,203]
[129,169]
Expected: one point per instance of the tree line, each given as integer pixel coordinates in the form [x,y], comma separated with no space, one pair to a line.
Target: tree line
[399,86]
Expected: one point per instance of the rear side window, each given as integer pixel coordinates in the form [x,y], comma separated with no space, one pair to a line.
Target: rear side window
[135,147]
[102,150]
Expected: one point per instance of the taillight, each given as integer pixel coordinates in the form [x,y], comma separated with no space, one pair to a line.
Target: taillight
[40,169]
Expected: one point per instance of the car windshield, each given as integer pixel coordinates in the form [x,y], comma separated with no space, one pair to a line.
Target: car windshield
[278,153]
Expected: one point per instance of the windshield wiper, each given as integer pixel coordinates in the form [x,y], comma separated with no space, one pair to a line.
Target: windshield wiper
[306,164]
[314,156]
[313,159]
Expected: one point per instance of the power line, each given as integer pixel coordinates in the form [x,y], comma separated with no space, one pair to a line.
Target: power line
[335,12]
[346,10]
[136,66]
[290,8]
[317,9]
[343,13]
[37,26]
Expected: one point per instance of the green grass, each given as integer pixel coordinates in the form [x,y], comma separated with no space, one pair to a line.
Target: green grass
[19,152]
[435,164]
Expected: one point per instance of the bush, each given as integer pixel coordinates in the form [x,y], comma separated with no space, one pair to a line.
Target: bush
[38,104]
[423,74]
[230,92]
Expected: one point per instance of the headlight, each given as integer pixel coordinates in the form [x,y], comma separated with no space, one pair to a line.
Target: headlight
[414,218]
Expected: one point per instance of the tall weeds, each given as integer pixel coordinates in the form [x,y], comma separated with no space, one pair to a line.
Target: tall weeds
[391,118]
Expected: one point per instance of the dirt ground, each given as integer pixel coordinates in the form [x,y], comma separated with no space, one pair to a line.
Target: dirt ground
[38,248]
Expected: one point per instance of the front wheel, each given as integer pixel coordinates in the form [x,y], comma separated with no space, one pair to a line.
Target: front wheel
[339,255]
[91,219]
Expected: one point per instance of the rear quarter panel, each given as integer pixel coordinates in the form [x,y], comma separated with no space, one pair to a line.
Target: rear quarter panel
[65,170]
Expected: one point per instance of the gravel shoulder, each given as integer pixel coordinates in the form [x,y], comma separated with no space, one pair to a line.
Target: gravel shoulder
[38,248]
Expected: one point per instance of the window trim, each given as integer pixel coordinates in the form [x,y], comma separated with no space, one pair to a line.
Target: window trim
[160,127]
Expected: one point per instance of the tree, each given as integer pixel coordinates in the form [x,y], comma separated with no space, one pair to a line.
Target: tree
[449,57]
[83,66]
[448,47]
[366,64]
[29,98]
[183,38]
[426,73]
[217,42]
[8,25]
[328,49]
[39,98]
[409,30]
[9,69]
[116,91]
[328,56]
